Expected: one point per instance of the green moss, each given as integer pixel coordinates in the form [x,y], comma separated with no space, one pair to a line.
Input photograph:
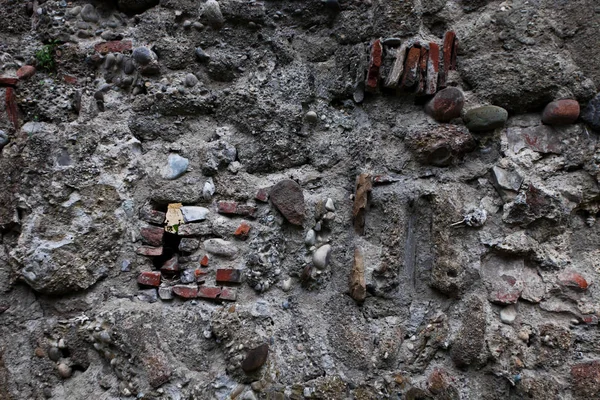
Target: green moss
[45,57]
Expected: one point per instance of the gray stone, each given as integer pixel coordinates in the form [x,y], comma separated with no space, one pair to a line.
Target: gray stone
[485,118]
[213,15]
[208,189]
[311,238]
[54,353]
[191,80]
[321,256]
[508,314]
[142,55]
[221,248]
[165,292]
[311,117]
[64,370]
[176,166]
[507,180]
[591,113]
[329,205]
[3,138]
[128,67]
[188,245]
[188,276]
[201,55]
[89,14]
[148,295]
[193,214]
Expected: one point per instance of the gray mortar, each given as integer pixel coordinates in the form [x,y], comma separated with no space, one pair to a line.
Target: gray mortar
[89,155]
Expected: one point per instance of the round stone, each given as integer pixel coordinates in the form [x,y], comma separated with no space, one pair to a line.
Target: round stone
[485,118]
[561,112]
[255,358]
[142,55]
[54,353]
[64,370]
[191,80]
[508,314]
[321,256]
[212,13]
[128,67]
[89,14]
[311,238]
[446,104]
[312,117]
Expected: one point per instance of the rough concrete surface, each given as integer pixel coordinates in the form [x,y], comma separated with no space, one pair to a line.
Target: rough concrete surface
[234,199]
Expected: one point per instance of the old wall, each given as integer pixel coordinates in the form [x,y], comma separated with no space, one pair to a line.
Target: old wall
[268,200]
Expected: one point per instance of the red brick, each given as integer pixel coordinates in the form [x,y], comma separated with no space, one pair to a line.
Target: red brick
[26,71]
[171,265]
[204,261]
[229,275]
[115,46]
[411,68]
[242,231]
[149,278]
[449,56]
[232,207]
[262,195]
[149,251]
[433,69]
[229,294]
[186,291]
[574,281]
[11,107]
[6,81]
[374,66]
[71,80]
[209,292]
[152,235]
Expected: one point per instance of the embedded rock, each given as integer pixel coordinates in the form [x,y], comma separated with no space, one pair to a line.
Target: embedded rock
[288,198]
[446,104]
[591,113]
[561,112]
[255,358]
[485,118]
[221,248]
[468,348]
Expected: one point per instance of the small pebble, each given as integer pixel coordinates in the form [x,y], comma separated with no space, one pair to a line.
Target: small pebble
[89,14]
[321,256]
[212,13]
[64,370]
[3,139]
[329,205]
[201,55]
[312,117]
[191,80]
[311,238]
[508,314]
[176,166]
[54,353]
[142,55]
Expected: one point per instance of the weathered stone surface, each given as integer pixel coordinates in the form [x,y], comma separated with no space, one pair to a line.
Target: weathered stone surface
[531,204]
[542,139]
[586,380]
[188,245]
[362,197]
[506,180]
[151,216]
[485,118]
[212,12]
[221,248]
[468,348]
[149,251]
[288,198]
[358,286]
[440,145]
[561,112]
[374,65]
[149,278]
[195,229]
[255,358]
[446,104]
[176,166]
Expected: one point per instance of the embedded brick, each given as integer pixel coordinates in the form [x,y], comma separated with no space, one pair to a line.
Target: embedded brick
[433,68]
[394,76]
[204,261]
[234,208]
[574,281]
[149,251]
[152,235]
[186,291]
[374,66]
[11,107]
[448,57]
[229,275]
[149,278]
[262,195]
[422,74]
[26,71]
[209,292]
[6,81]
[152,216]
[171,265]
[411,68]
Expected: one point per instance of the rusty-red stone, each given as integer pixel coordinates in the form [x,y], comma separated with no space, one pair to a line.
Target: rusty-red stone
[209,292]
[242,231]
[229,275]
[433,68]
[6,81]
[152,235]
[262,195]
[115,46]
[374,66]
[186,291]
[561,112]
[26,71]
[411,68]
[229,294]
[149,251]
[11,107]
[149,278]
[171,265]
[204,261]
[574,281]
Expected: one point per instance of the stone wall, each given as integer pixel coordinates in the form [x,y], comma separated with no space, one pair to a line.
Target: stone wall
[313,199]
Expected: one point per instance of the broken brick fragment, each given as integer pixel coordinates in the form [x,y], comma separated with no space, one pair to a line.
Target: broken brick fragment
[433,68]
[374,66]
[448,58]
[574,281]
[228,275]
[149,251]
[171,265]
[204,261]
[152,235]
[11,107]
[411,68]
[6,81]
[26,71]
[394,76]
[200,275]
[422,73]
[229,294]
[358,287]
[209,292]
[149,278]
[186,291]
[71,80]
[262,195]
[242,231]
[233,207]
[115,46]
